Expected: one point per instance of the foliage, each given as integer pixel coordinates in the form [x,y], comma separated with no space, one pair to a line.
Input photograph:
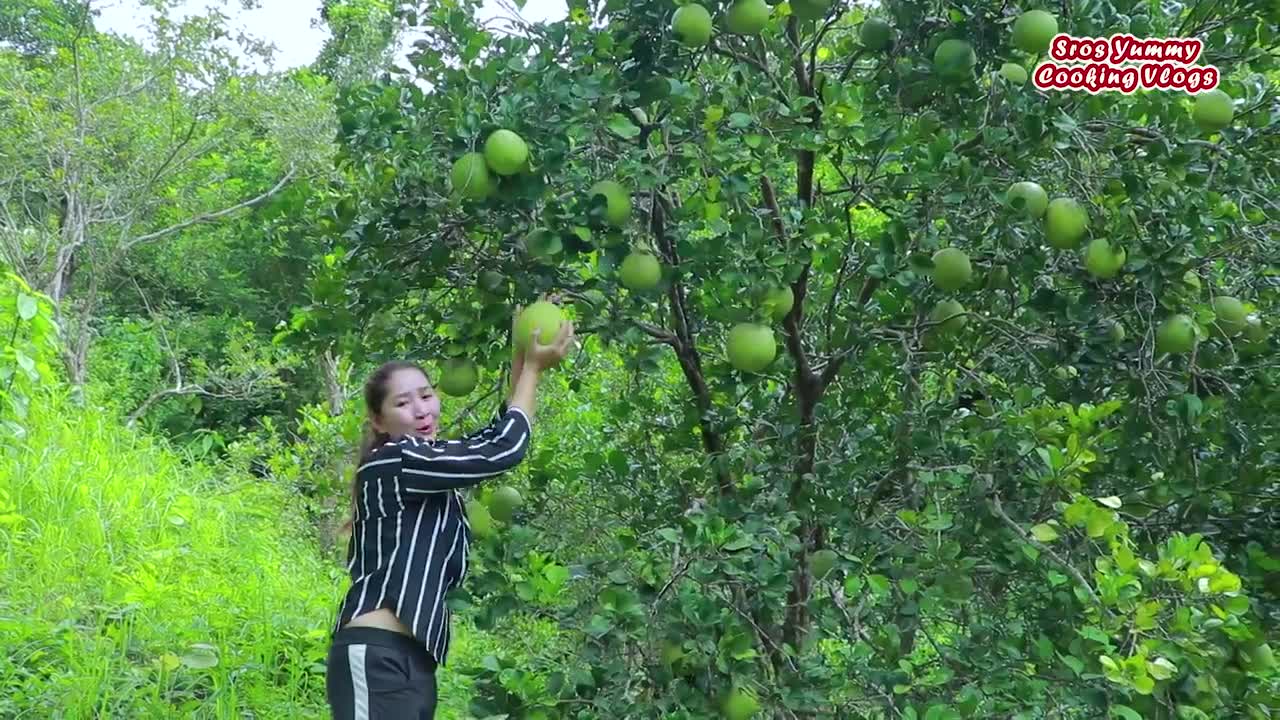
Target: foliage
[1031,517]
[139,584]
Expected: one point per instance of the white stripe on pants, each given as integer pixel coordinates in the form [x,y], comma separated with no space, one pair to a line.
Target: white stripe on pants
[359,682]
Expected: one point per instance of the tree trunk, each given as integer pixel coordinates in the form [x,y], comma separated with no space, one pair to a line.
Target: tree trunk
[336,378]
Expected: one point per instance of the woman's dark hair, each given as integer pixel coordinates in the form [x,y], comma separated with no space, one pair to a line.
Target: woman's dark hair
[375,392]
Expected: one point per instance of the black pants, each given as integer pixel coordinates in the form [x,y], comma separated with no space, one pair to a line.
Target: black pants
[376,674]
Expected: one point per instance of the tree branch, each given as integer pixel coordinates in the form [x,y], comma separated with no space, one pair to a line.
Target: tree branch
[207,217]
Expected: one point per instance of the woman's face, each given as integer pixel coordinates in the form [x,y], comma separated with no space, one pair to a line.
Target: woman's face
[411,406]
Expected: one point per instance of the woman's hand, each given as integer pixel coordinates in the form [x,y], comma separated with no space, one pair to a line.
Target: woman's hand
[540,357]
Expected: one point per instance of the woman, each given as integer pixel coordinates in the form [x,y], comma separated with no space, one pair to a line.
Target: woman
[409,534]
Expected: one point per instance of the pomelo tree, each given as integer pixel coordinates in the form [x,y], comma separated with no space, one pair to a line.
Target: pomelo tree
[1032,491]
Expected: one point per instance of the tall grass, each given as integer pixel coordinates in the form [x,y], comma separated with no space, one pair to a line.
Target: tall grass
[135,583]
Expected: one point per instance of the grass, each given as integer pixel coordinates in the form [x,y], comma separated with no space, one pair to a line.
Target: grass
[137,584]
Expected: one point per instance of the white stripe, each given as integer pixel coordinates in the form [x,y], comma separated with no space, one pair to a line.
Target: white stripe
[364,569]
[459,458]
[372,463]
[391,561]
[409,563]
[443,569]
[426,572]
[359,682]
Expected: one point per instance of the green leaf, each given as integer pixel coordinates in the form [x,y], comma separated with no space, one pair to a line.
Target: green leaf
[622,126]
[200,656]
[1161,669]
[27,306]
[1044,533]
[1110,501]
[1124,711]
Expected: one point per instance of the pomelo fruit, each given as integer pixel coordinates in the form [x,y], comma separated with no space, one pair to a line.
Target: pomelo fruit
[458,377]
[470,176]
[543,315]
[479,519]
[822,562]
[950,314]
[740,705]
[951,269]
[810,9]
[778,301]
[617,201]
[1065,222]
[1034,30]
[692,25]
[503,503]
[875,34]
[1177,334]
[505,152]
[747,17]
[954,59]
[1014,73]
[1031,199]
[751,347]
[1213,110]
[1231,318]
[640,270]
[1102,260]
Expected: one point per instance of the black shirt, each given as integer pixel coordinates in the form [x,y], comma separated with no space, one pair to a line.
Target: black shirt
[410,534]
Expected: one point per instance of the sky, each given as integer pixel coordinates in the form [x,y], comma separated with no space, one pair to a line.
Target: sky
[286,24]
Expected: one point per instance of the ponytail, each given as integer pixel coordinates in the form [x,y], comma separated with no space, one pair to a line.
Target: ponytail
[369,439]
[375,391]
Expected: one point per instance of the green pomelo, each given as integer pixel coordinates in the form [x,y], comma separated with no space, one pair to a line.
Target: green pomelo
[692,25]
[875,34]
[641,271]
[1065,222]
[950,314]
[1028,198]
[1213,110]
[1177,334]
[1014,73]
[503,503]
[542,315]
[479,519]
[740,705]
[1034,30]
[747,17]
[458,377]
[470,176]
[1231,317]
[951,269]
[505,152]
[778,302]
[751,347]
[1102,260]
[954,59]
[617,201]
[822,562]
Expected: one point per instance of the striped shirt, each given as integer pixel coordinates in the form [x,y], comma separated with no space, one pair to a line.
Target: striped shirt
[410,534]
